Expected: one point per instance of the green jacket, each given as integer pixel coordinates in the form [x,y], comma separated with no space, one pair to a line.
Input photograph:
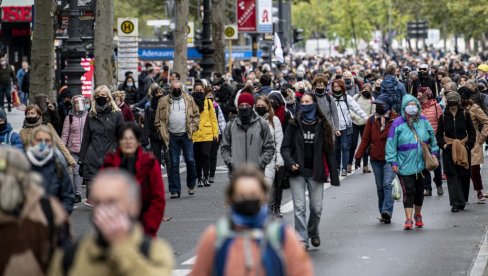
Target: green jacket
[7,76]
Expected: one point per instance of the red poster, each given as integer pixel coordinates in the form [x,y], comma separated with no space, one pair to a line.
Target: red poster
[246,16]
[87,78]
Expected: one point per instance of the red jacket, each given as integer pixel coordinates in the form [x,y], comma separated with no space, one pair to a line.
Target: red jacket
[375,138]
[126,113]
[150,179]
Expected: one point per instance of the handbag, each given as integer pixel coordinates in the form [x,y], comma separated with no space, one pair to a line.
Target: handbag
[397,189]
[431,162]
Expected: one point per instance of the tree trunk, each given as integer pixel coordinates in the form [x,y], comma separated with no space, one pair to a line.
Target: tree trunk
[180,58]
[218,17]
[104,48]
[42,52]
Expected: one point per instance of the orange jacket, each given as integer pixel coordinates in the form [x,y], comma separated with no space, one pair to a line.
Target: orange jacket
[432,111]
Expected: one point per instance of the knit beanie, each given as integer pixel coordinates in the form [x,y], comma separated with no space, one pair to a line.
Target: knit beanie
[3,115]
[245,98]
[464,92]
[453,96]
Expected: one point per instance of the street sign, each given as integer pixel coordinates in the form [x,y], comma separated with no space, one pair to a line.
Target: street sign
[127,27]
[230,32]
[265,16]
[246,16]
[190,34]
[417,29]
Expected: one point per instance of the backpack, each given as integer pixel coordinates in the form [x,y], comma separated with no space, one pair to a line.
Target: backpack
[8,138]
[273,236]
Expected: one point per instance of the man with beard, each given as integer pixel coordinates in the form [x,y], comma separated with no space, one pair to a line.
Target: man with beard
[118,245]
[425,80]
[33,224]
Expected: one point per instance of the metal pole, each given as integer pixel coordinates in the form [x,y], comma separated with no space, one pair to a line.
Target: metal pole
[254,50]
[206,48]
[230,56]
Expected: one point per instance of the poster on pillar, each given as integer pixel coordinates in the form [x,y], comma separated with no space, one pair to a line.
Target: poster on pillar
[246,16]
[87,78]
[264,16]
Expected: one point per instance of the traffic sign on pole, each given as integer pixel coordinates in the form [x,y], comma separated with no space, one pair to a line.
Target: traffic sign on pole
[230,32]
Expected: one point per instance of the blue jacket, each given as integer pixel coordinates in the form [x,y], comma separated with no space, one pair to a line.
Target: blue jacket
[11,139]
[395,90]
[402,149]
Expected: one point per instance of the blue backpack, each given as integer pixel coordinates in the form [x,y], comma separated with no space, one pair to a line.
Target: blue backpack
[270,240]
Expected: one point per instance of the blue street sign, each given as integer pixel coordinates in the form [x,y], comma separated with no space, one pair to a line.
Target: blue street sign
[168,54]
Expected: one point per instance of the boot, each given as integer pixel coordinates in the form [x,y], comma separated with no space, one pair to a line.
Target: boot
[366,169]
[349,168]
[277,212]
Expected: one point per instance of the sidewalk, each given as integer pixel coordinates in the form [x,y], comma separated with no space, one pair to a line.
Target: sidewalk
[16,118]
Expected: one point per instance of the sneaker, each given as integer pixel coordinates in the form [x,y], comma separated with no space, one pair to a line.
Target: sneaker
[408,225]
[366,169]
[349,168]
[277,212]
[200,183]
[454,209]
[440,190]
[315,241]
[77,198]
[418,221]
[344,173]
[305,245]
[9,108]
[211,179]
[481,198]
[174,195]
[87,204]
[427,192]
[206,183]
[191,191]
[386,217]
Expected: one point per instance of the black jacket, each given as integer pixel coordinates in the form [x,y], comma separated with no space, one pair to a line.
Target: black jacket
[293,152]
[455,129]
[428,82]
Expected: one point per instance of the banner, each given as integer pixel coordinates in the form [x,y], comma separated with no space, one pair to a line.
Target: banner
[246,16]
[265,16]
[87,78]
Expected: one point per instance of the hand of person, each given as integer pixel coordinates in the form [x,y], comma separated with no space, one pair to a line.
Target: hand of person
[295,167]
[131,106]
[216,139]
[394,168]
[445,146]
[113,225]
[50,106]
[337,133]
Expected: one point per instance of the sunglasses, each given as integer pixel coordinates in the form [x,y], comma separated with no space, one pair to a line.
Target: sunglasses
[422,69]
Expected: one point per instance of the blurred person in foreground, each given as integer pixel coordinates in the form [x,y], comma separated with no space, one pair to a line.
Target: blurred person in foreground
[117,246]
[7,134]
[32,223]
[230,248]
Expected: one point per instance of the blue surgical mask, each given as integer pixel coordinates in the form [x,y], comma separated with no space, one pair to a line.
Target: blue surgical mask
[411,110]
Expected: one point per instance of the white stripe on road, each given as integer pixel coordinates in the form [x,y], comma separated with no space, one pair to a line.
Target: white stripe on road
[190,261]
[219,170]
[481,261]
[180,272]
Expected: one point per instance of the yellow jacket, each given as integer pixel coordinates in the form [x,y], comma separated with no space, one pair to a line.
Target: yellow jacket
[124,258]
[208,129]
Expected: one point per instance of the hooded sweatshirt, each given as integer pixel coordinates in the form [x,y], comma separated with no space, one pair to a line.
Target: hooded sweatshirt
[395,90]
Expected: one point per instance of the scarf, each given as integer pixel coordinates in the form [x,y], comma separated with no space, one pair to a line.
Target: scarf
[34,125]
[459,151]
[280,112]
[255,221]
[39,162]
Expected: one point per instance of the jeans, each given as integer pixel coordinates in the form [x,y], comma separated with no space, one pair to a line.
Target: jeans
[23,96]
[357,132]
[383,175]
[437,178]
[342,144]
[201,151]
[176,145]
[299,185]
[77,179]
[5,91]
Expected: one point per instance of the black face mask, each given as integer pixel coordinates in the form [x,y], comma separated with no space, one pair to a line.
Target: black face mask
[67,104]
[378,88]
[31,120]
[366,94]
[452,103]
[199,99]
[319,91]
[155,101]
[338,77]
[248,207]
[245,114]
[101,101]
[3,126]
[176,93]
[381,109]
[261,110]
[301,90]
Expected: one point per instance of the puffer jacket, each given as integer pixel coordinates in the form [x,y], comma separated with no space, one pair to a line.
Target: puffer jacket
[252,145]
[73,131]
[208,129]
[366,105]
[277,160]
[395,90]
[162,116]
[10,137]
[479,118]
[345,111]
[402,149]
[432,111]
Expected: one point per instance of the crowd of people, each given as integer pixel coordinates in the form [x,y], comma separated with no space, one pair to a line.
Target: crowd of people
[292,126]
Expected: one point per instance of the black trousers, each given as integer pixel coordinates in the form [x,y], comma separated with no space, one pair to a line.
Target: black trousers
[201,151]
[213,156]
[357,132]
[413,189]
[160,151]
[458,186]
[277,191]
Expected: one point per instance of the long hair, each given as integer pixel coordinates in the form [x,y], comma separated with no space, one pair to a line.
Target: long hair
[328,131]
[341,84]
[270,108]
[102,88]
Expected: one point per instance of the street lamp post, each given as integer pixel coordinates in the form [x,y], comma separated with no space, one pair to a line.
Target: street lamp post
[205,47]
[72,51]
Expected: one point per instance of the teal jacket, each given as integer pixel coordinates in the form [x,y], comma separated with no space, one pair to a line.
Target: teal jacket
[402,149]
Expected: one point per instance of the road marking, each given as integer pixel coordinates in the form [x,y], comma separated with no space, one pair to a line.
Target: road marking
[190,261]
[180,272]
[481,261]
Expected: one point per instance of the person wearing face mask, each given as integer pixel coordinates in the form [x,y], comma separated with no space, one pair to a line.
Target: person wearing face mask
[308,153]
[393,88]
[351,87]
[404,154]
[346,105]
[365,102]
[264,109]
[221,124]
[247,139]
[33,119]
[376,91]
[207,133]
[324,101]
[432,111]
[7,135]
[7,77]
[234,245]
[177,118]
[56,181]
[374,140]
[456,136]
[72,135]
[119,98]
[118,244]
[424,78]
[99,135]
[131,94]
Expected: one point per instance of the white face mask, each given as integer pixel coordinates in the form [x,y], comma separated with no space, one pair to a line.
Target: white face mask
[130,84]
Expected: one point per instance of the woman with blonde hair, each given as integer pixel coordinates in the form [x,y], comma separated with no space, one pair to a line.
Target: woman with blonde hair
[119,98]
[99,134]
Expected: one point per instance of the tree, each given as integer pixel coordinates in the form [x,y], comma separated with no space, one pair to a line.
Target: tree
[104,49]
[218,15]
[42,51]
[181,28]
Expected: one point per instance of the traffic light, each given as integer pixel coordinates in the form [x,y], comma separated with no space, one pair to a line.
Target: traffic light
[297,35]
[266,50]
